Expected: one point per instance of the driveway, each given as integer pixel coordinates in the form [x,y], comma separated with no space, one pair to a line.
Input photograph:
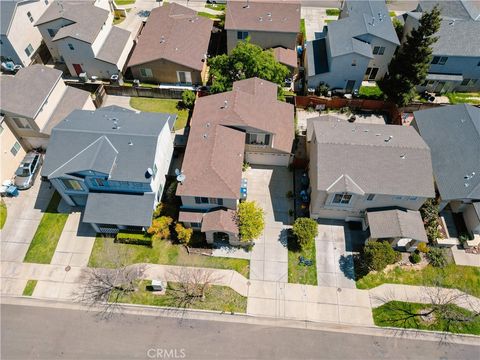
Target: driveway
[268,185]
[136,15]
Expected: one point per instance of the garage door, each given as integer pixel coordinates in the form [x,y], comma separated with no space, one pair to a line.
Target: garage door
[268,159]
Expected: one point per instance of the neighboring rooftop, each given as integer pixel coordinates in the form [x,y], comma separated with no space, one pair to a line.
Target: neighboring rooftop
[370,158]
[215,150]
[286,57]
[386,224]
[260,15]
[86,19]
[453,9]
[453,134]
[110,140]
[7,12]
[114,45]
[33,83]
[224,220]
[174,33]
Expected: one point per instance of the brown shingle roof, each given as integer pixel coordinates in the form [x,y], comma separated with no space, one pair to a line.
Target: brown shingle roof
[285,56]
[220,220]
[174,33]
[263,16]
[214,155]
[386,224]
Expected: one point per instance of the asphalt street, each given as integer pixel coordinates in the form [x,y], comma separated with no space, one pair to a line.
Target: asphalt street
[49,333]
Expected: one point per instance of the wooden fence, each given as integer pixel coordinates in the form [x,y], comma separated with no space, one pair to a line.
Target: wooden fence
[144,92]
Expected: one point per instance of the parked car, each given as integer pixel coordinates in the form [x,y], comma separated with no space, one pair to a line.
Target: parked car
[28,170]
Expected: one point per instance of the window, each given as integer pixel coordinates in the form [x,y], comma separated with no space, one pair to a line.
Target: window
[70,46]
[468,82]
[412,198]
[398,197]
[195,225]
[440,60]
[52,32]
[354,62]
[216,201]
[146,73]
[184,77]
[15,148]
[21,123]
[258,139]
[99,182]
[30,17]
[201,200]
[72,185]
[155,170]
[1,42]
[378,50]
[342,199]
[370,197]
[242,35]
[29,50]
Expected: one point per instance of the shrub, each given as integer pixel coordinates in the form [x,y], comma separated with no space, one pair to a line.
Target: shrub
[251,221]
[305,229]
[463,238]
[289,194]
[333,12]
[171,191]
[245,166]
[183,234]
[379,254]
[437,257]
[124,237]
[415,258]
[422,247]
[158,210]
[188,99]
[160,228]
[429,212]
[322,89]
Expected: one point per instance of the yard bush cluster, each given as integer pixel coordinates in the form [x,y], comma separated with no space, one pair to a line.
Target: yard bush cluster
[415,258]
[188,99]
[160,228]
[305,229]
[429,212]
[125,237]
[251,220]
[423,248]
[379,254]
[184,235]
[437,257]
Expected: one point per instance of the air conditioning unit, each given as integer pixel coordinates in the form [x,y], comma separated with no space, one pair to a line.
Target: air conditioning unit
[83,77]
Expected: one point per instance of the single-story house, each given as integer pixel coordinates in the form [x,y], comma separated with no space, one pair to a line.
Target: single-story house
[112,162]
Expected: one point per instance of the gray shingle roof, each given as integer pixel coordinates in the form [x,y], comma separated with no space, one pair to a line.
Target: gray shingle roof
[341,35]
[122,209]
[133,136]
[453,134]
[453,9]
[33,83]
[386,224]
[363,155]
[7,11]
[114,45]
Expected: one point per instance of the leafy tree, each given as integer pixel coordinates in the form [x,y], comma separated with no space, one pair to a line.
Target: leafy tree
[250,219]
[410,64]
[436,257]
[423,248]
[398,26]
[245,61]
[305,229]
[429,212]
[160,228]
[184,235]
[188,99]
[379,254]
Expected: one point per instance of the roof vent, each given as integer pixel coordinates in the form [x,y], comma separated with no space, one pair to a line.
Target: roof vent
[149,173]
[365,130]
[403,156]
[130,143]
[269,14]
[389,138]
[162,39]
[205,135]
[247,5]
[452,22]
[377,134]
[260,18]
[207,124]
[225,104]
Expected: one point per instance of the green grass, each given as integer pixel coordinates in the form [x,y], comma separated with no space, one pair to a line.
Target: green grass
[3,213]
[218,7]
[162,252]
[460,98]
[454,276]
[161,105]
[208,15]
[29,288]
[48,233]
[372,92]
[392,14]
[328,21]
[217,298]
[124,2]
[301,274]
[390,314]
[333,12]
[302,29]
[118,19]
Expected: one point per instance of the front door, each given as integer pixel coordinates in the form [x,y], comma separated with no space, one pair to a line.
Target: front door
[439,87]
[78,68]
[350,86]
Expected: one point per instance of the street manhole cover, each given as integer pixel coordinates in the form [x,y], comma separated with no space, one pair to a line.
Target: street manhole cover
[67,268]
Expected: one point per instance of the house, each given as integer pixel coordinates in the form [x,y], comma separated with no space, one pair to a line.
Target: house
[268,24]
[20,41]
[286,57]
[358,168]
[453,135]
[455,64]
[247,124]
[172,47]
[81,35]
[12,152]
[35,100]
[357,47]
[112,162]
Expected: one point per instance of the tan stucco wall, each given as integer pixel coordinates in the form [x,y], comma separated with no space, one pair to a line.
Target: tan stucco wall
[264,39]
[165,71]
[9,162]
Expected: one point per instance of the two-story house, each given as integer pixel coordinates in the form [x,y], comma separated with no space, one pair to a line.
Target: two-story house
[245,124]
[11,152]
[36,99]
[267,24]
[455,64]
[81,35]
[113,162]
[172,47]
[20,41]
[360,168]
[453,135]
[357,47]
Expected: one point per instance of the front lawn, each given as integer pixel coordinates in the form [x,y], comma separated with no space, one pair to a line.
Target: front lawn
[29,288]
[48,233]
[3,214]
[460,98]
[218,7]
[118,19]
[453,276]
[162,105]
[370,92]
[299,273]
[333,12]
[393,314]
[124,2]
[162,252]
[217,298]
[210,16]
